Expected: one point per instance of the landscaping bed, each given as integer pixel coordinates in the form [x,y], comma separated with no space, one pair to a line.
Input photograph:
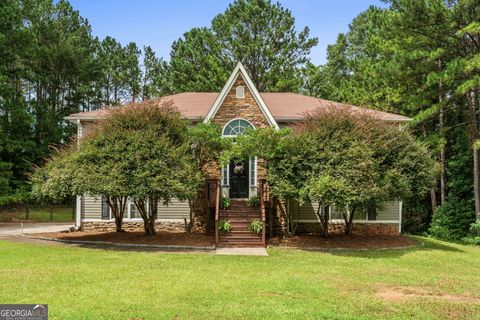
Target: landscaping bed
[161,238]
[344,242]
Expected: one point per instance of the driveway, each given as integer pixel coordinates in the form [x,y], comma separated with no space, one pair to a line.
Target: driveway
[15,228]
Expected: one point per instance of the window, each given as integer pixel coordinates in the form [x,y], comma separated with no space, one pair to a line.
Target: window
[236,127]
[372,212]
[225,181]
[253,171]
[240,92]
[105,209]
[133,210]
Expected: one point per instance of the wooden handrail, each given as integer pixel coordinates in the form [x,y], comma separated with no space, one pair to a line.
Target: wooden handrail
[262,208]
[217,209]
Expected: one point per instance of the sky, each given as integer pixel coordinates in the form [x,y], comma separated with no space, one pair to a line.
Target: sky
[158,23]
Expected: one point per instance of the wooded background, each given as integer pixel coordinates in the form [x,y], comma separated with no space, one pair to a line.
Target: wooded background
[416,58]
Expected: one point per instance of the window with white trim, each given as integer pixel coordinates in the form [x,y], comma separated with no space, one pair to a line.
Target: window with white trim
[105,209]
[236,127]
[225,179]
[253,172]
[240,92]
[133,212]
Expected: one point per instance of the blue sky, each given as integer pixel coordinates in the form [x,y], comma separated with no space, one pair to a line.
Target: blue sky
[160,22]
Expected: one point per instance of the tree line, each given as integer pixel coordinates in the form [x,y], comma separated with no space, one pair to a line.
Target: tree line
[51,66]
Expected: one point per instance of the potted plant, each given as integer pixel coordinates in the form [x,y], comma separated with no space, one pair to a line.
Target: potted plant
[225,203]
[256,226]
[224,226]
[253,202]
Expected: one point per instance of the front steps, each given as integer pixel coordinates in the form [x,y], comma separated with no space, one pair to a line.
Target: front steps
[240,216]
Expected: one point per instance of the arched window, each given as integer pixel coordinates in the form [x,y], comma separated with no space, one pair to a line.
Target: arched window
[236,127]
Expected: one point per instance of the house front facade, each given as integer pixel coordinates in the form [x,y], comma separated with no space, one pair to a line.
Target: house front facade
[237,107]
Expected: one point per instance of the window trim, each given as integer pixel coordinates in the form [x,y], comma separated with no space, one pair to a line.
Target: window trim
[226,175]
[235,119]
[240,89]
[252,171]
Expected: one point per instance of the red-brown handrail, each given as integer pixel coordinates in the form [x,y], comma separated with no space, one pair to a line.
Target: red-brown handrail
[262,208]
[217,209]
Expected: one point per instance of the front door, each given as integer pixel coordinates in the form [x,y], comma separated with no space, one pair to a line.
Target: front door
[238,176]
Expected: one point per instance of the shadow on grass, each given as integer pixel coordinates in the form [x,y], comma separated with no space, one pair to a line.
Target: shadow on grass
[424,244]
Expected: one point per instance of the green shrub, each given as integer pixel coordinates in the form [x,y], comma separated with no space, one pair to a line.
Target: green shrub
[225,203]
[452,220]
[473,234]
[256,226]
[474,229]
[472,240]
[224,226]
[253,202]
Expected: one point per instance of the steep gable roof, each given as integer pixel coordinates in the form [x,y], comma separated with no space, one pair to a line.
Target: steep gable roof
[240,71]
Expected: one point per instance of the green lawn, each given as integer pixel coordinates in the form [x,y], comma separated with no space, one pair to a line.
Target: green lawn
[441,280]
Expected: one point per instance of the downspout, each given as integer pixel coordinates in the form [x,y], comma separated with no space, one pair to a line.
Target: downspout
[78,203]
[400,209]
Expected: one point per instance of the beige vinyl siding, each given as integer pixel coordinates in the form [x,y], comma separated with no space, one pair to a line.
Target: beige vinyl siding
[175,210]
[388,211]
[305,211]
[91,207]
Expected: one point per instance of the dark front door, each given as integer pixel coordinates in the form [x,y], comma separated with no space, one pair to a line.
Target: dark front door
[239,179]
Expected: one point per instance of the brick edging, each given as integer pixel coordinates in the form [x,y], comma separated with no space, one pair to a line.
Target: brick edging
[417,244]
[132,245]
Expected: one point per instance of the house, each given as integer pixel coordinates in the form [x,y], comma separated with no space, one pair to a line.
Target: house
[237,107]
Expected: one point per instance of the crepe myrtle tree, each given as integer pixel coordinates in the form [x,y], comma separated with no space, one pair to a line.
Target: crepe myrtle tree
[325,191]
[157,157]
[94,167]
[54,181]
[138,152]
[343,158]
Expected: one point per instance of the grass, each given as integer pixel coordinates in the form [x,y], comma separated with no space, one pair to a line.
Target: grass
[39,214]
[440,280]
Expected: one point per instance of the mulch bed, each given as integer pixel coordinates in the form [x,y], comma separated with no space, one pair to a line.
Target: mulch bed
[201,240]
[161,238]
[344,242]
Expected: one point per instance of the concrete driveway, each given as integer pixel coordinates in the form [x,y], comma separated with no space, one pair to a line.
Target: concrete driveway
[15,228]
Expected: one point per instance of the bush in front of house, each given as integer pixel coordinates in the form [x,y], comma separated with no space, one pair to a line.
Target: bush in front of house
[253,202]
[225,203]
[452,220]
[256,226]
[224,226]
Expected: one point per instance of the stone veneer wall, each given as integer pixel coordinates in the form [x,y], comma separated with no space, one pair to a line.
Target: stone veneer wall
[232,108]
[132,226]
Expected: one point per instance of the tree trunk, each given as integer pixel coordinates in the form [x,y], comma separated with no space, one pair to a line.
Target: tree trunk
[118,224]
[441,125]
[472,104]
[323,219]
[117,206]
[443,182]
[149,216]
[433,194]
[349,222]
[433,199]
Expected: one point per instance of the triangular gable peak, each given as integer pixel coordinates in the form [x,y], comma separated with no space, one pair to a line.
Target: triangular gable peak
[240,74]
